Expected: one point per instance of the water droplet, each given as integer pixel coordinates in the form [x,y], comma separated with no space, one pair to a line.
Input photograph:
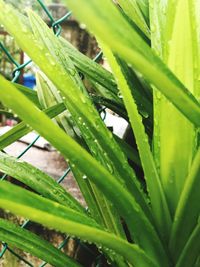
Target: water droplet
[110,167]
[54,191]
[83,99]
[119,95]
[38,178]
[82,26]
[72,72]
[33,171]
[144,114]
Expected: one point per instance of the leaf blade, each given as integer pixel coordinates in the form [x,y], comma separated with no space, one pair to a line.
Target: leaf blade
[31,243]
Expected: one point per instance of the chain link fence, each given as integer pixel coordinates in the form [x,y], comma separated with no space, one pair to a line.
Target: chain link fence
[56,27]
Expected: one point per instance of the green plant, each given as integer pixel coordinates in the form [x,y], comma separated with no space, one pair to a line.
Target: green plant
[153,48]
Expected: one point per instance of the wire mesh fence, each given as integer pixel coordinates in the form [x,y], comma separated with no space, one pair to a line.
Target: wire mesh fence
[56,27]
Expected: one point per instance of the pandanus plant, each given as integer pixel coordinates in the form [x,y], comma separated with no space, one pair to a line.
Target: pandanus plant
[143,198]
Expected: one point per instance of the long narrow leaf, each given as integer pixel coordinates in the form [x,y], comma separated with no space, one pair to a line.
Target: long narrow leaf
[157,197]
[188,209]
[190,253]
[144,233]
[29,242]
[134,50]
[37,180]
[22,128]
[52,214]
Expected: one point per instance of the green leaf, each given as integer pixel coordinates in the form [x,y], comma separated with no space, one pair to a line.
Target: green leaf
[54,215]
[174,157]
[143,231]
[95,133]
[188,210]
[22,128]
[37,180]
[135,51]
[29,242]
[62,73]
[190,253]
[29,93]
[131,153]
[132,9]
[48,96]
[92,70]
[154,187]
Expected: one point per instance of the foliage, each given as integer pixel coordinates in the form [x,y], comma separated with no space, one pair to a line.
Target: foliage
[153,49]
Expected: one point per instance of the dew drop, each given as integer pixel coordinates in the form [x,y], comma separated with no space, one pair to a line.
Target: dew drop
[54,191]
[119,95]
[83,99]
[72,72]
[144,114]
[110,168]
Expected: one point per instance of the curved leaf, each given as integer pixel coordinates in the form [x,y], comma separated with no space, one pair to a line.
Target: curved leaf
[135,51]
[141,228]
[29,242]
[37,180]
[190,253]
[132,9]
[52,214]
[22,128]
[188,210]
[154,187]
